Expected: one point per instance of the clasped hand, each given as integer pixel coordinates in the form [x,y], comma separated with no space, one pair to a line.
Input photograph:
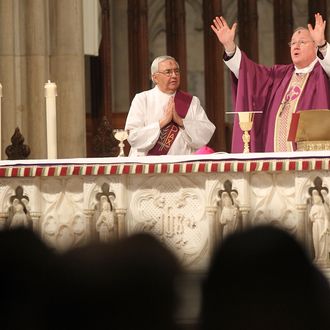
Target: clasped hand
[170,114]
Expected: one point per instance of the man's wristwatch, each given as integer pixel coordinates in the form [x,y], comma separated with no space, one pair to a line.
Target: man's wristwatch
[322,46]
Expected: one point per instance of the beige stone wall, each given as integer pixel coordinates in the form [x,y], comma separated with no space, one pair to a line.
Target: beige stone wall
[41,40]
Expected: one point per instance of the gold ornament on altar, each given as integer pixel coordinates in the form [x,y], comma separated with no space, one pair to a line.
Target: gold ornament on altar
[310,130]
[245,119]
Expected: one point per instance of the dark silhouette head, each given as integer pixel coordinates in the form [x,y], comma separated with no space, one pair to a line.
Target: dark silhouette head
[25,279]
[260,279]
[128,284]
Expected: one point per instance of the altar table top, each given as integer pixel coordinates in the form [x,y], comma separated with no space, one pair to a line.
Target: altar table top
[211,163]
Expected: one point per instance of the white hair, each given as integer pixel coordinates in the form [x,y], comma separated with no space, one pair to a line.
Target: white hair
[159,59]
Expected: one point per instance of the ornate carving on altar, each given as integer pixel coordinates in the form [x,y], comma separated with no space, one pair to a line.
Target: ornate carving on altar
[319,215]
[229,213]
[273,200]
[19,210]
[104,215]
[173,209]
[191,207]
[17,150]
[63,223]
[18,204]
[104,142]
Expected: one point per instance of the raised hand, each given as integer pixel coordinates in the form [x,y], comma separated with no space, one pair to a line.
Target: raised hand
[225,34]
[318,32]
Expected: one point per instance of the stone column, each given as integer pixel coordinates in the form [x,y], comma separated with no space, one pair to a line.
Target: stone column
[36,222]
[122,229]
[301,222]
[90,231]
[244,209]
[213,228]
[42,40]
[36,60]
[67,71]
[3,220]
[7,71]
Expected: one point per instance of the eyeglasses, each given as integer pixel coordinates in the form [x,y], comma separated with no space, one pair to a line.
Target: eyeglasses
[299,43]
[169,72]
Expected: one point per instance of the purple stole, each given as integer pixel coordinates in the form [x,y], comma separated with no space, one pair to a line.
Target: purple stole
[169,132]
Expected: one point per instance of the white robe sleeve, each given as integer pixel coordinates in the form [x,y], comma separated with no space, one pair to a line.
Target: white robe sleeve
[325,62]
[234,62]
[142,136]
[198,129]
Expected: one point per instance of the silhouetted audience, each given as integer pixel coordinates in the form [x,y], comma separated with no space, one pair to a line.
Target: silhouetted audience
[263,279]
[26,268]
[258,279]
[127,284]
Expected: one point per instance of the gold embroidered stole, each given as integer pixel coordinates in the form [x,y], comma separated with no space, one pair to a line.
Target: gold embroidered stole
[287,107]
[168,133]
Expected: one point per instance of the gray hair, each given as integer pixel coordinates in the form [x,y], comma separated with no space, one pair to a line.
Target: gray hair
[159,59]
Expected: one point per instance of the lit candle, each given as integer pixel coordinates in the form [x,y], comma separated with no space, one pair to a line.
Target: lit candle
[50,94]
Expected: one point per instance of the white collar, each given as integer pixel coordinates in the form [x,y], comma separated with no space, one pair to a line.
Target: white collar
[306,69]
[165,94]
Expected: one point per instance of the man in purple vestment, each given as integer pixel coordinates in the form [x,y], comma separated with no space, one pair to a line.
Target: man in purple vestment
[280,90]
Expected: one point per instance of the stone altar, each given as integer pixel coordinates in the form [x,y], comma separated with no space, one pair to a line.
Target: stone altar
[189,202]
[183,200]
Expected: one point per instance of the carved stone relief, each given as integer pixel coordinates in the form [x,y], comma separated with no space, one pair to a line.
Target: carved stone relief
[319,215]
[19,210]
[18,201]
[104,215]
[273,200]
[102,199]
[173,209]
[229,214]
[63,223]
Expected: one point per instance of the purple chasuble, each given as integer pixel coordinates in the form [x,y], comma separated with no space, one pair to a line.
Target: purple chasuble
[168,133]
[260,88]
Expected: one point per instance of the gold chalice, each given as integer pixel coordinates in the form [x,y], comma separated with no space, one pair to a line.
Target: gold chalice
[245,119]
[121,135]
[245,123]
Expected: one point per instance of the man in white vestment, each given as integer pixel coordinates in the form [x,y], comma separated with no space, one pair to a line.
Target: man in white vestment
[165,120]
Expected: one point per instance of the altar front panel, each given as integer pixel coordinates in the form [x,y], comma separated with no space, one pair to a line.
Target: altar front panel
[190,203]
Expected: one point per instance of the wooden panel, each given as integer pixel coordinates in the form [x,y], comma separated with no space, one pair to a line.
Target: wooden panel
[105,58]
[139,68]
[118,121]
[176,36]
[283,28]
[214,75]
[317,6]
[100,66]
[248,27]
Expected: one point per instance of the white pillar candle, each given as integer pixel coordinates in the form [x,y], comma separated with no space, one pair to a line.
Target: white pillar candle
[50,94]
